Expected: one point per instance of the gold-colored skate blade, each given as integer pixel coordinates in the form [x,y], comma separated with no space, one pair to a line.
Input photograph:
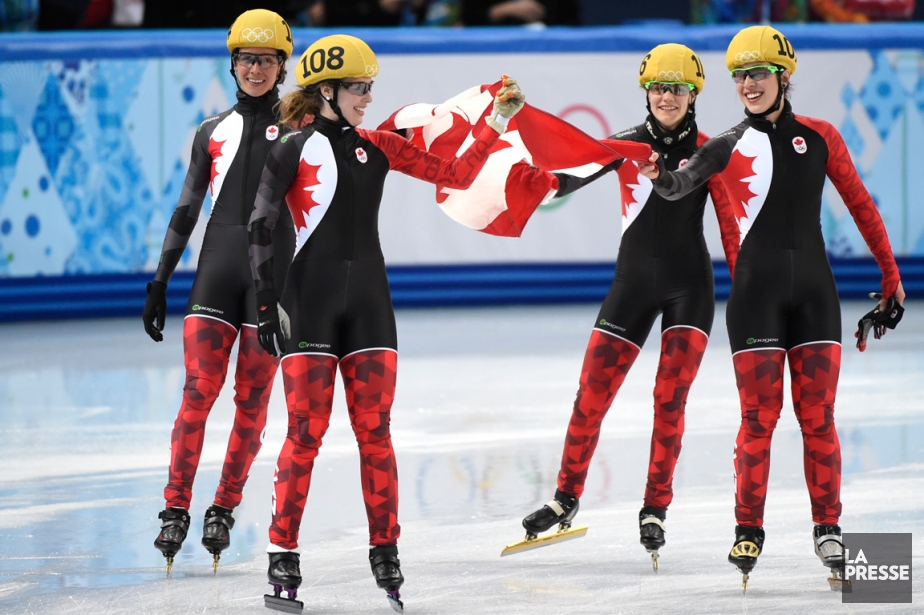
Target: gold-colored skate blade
[839,584]
[278,603]
[744,583]
[545,540]
[654,560]
[216,557]
[169,564]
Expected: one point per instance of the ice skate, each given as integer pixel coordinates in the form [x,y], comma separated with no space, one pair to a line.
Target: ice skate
[173,529]
[561,510]
[829,547]
[216,531]
[651,531]
[386,568]
[284,574]
[749,542]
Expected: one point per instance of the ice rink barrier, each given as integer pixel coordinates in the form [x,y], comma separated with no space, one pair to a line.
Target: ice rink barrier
[95,130]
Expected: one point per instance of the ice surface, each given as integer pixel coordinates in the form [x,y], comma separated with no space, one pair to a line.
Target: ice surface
[483,400]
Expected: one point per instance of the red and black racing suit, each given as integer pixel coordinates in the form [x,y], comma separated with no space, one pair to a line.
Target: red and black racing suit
[663,268]
[337,297]
[227,158]
[783,300]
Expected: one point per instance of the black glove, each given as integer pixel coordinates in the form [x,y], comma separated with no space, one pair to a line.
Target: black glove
[878,320]
[272,324]
[155,309]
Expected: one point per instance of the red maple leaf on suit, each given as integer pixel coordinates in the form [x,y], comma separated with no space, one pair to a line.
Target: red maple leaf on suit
[628,181]
[299,194]
[215,153]
[739,169]
[799,141]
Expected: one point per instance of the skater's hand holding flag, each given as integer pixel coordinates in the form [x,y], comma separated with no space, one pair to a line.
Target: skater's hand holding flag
[517,177]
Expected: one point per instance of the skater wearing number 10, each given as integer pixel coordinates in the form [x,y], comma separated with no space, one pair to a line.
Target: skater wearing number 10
[784,303]
[336,310]
[227,158]
[663,268]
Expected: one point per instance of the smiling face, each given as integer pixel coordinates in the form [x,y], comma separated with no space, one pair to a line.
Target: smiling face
[759,96]
[257,80]
[668,108]
[352,106]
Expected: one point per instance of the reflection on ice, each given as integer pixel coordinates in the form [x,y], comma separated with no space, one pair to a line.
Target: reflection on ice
[479,421]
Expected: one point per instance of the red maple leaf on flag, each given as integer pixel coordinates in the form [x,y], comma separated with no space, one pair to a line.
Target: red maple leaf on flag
[298,194]
[740,168]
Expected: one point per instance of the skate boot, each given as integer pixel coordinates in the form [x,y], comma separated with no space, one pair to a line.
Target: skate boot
[216,531]
[172,533]
[561,510]
[284,574]
[651,531]
[386,568]
[749,542]
[829,547]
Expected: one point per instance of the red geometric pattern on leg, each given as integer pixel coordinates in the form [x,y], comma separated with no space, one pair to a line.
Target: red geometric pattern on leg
[606,362]
[814,369]
[207,346]
[682,350]
[309,386]
[253,382]
[759,376]
[369,379]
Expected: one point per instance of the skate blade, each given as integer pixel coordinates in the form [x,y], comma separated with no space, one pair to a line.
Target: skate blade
[169,565]
[395,602]
[215,563]
[654,561]
[278,603]
[744,583]
[543,541]
[840,585]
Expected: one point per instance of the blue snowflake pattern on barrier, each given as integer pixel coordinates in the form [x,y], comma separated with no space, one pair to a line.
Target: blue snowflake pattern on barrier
[883,95]
[103,190]
[10,144]
[52,124]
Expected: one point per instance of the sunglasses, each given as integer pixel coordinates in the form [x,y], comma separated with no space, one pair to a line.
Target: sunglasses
[677,89]
[359,88]
[265,60]
[757,73]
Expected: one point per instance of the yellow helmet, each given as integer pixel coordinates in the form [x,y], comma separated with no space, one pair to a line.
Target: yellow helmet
[760,44]
[672,63]
[260,28]
[339,56]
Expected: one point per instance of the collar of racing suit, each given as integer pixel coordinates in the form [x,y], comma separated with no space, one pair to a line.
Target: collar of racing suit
[671,137]
[764,125]
[255,105]
[329,128]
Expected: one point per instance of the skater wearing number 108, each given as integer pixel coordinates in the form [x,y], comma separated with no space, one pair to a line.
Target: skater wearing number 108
[784,303]
[227,158]
[663,268]
[336,310]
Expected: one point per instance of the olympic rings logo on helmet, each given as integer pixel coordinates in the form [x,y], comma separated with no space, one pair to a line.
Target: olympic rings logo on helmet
[257,35]
[761,44]
[747,56]
[672,63]
[670,75]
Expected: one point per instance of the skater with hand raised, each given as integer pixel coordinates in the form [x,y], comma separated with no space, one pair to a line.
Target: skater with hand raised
[336,303]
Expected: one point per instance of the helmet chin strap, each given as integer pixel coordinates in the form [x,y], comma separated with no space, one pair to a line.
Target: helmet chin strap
[335,107]
[779,99]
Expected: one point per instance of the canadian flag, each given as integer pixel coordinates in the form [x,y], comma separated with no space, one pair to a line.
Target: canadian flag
[515,179]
